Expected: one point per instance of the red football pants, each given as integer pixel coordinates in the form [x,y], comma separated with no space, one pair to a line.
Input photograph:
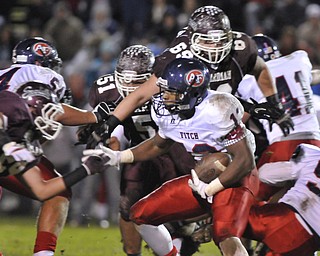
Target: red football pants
[175,201]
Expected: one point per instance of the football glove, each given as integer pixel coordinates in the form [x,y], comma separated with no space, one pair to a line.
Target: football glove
[197,185]
[94,163]
[273,111]
[93,134]
[84,132]
[101,111]
[112,157]
[103,132]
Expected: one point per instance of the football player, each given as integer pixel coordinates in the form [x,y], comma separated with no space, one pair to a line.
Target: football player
[293,77]
[229,55]
[203,121]
[36,59]
[134,67]
[290,227]
[27,116]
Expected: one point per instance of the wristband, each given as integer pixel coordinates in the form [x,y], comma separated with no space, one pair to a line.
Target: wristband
[214,187]
[75,176]
[126,156]
[274,101]
[112,122]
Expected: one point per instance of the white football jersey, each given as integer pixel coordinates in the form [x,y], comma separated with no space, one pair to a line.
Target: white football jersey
[18,74]
[292,76]
[304,196]
[215,117]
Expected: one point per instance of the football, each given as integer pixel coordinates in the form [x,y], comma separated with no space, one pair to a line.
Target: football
[212,165]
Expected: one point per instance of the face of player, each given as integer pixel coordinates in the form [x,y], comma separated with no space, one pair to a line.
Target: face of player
[170,99]
[211,48]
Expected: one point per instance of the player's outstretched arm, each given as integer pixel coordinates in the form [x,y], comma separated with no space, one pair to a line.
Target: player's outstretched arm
[44,190]
[146,150]
[137,98]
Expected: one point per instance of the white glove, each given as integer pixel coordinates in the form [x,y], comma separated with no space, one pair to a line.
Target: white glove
[18,152]
[198,186]
[114,156]
[95,163]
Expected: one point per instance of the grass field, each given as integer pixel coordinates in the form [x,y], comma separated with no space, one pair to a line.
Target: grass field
[17,237]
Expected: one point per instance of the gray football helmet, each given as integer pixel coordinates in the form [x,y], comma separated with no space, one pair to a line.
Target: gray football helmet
[133,67]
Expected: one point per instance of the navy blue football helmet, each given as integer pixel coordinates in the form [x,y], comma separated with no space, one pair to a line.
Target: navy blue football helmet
[267,47]
[36,50]
[183,85]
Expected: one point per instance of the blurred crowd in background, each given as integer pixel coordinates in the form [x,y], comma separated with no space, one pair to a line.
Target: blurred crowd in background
[90,34]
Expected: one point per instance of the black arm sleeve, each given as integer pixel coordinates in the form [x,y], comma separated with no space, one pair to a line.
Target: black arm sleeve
[75,176]
[246,105]
[4,138]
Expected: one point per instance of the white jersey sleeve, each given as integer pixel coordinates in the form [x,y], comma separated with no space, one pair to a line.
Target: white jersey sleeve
[269,173]
[17,75]
[248,88]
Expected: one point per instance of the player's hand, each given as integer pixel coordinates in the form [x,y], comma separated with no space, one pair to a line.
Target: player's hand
[101,111]
[18,152]
[272,111]
[95,163]
[112,156]
[101,134]
[285,123]
[93,134]
[84,132]
[264,110]
[197,185]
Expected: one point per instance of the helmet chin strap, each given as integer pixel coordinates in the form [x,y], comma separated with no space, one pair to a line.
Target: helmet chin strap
[187,114]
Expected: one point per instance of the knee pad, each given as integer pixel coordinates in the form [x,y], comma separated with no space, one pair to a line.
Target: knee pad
[127,200]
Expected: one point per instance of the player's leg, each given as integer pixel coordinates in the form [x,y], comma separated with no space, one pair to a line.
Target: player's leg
[131,238]
[158,239]
[173,201]
[230,211]
[132,189]
[277,226]
[51,220]
[53,212]
[138,180]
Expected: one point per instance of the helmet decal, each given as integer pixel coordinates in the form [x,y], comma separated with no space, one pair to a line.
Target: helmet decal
[29,91]
[267,47]
[42,49]
[194,78]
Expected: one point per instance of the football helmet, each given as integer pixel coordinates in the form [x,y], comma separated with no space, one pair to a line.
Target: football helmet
[212,37]
[267,47]
[183,85]
[44,106]
[37,50]
[133,67]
